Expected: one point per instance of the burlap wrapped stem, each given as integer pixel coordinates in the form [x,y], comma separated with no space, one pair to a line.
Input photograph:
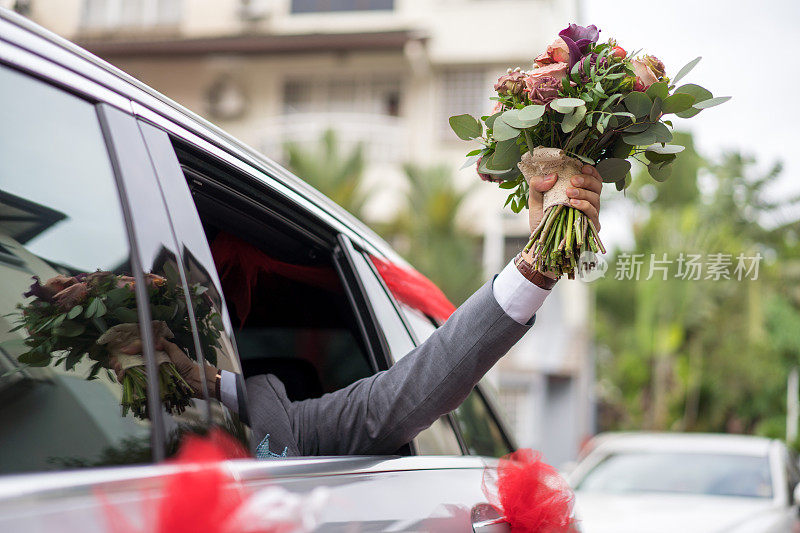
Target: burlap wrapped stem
[564,233]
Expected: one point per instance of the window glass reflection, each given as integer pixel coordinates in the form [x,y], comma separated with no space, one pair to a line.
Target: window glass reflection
[65,285]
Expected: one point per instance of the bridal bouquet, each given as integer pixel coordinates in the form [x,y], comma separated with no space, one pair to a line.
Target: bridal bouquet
[582,102]
[95,316]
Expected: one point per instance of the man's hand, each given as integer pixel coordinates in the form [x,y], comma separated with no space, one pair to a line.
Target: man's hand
[584,194]
[187,368]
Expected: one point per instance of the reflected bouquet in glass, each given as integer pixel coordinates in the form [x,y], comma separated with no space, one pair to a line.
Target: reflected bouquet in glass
[94,316]
[582,102]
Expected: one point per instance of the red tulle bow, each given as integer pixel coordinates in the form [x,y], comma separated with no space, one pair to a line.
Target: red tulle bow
[201,497]
[531,494]
[415,290]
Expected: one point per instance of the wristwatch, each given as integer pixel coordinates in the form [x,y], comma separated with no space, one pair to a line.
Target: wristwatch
[531,274]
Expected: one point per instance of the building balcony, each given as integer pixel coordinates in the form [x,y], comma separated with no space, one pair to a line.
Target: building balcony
[383,137]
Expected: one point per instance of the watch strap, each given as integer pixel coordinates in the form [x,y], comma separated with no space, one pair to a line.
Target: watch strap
[530,273]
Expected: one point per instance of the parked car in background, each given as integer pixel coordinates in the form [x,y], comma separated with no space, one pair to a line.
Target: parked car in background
[99,172]
[681,482]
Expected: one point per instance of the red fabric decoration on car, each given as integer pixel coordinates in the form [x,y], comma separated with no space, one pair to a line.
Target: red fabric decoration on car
[415,290]
[200,497]
[530,494]
[239,264]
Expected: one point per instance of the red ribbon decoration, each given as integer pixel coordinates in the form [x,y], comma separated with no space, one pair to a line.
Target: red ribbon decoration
[531,494]
[415,290]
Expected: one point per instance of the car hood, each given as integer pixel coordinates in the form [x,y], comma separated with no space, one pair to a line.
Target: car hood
[656,513]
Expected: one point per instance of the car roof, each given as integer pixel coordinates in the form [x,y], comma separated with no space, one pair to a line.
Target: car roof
[67,54]
[716,443]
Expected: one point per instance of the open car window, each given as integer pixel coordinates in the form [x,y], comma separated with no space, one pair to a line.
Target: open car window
[289,310]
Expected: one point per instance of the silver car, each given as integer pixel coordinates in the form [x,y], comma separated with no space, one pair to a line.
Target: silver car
[667,482]
[99,172]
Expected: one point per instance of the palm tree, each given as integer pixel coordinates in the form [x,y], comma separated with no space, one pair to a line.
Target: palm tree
[336,174]
[426,233]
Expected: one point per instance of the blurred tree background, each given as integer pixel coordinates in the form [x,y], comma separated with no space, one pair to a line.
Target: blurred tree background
[424,230]
[706,355]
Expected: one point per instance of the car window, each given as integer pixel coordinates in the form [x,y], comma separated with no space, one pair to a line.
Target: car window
[287,305]
[681,473]
[214,338]
[65,283]
[395,332]
[422,326]
[479,430]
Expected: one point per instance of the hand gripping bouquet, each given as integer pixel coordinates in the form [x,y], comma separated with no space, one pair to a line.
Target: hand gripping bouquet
[582,102]
[94,316]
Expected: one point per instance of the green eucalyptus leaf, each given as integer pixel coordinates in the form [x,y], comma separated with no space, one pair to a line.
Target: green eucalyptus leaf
[34,358]
[711,102]
[506,155]
[658,90]
[566,105]
[573,119]
[659,171]
[478,151]
[622,149]
[69,329]
[666,149]
[484,169]
[75,311]
[613,169]
[655,133]
[577,139]
[531,113]
[655,157]
[126,315]
[512,118]
[502,131]
[466,126]
[677,102]
[685,69]
[490,121]
[655,111]
[623,184]
[470,161]
[699,94]
[637,127]
[638,103]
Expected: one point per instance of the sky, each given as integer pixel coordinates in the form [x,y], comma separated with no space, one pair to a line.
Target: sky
[749,52]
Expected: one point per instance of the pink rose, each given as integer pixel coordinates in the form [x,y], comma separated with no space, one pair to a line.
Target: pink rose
[511,83]
[554,70]
[542,90]
[71,296]
[557,52]
[645,77]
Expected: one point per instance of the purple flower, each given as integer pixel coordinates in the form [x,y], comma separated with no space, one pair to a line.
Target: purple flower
[579,40]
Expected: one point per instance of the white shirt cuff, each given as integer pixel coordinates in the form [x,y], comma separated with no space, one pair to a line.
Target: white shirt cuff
[227,391]
[517,296]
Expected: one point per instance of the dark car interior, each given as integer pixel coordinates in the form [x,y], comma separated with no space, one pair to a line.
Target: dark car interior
[289,310]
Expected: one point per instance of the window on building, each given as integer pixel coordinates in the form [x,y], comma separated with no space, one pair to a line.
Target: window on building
[354,94]
[327,6]
[60,215]
[461,91]
[99,15]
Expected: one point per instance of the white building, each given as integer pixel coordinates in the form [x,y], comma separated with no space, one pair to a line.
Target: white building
[387,73]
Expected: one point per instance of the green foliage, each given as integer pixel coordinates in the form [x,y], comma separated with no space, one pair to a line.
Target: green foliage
[337,175]
[703,355]
[425,231]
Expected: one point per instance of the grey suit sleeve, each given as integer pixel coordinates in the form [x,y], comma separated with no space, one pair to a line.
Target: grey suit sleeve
[379,414]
